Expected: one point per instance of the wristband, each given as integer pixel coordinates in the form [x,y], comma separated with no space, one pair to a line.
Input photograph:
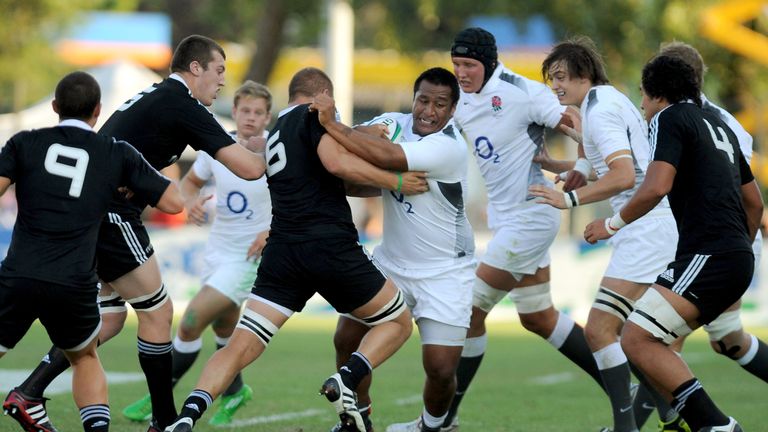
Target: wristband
[583,166]
[614,223]
[399,182]
[571,199]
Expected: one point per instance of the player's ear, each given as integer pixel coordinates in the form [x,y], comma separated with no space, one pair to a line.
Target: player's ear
[55,106]
[97,111]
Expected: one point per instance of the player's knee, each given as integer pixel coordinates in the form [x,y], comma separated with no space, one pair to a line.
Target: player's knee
[485,297]
[258,325]
[155,301]
[655,318]
[440,373]
[726,335]
[532,299]
[347,338]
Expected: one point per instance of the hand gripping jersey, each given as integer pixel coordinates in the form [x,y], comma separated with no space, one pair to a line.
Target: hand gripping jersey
[65,177]
[308,202]
[505,124]
[160,122]
[429,230]
[706,193]
[610,122]
[243,207]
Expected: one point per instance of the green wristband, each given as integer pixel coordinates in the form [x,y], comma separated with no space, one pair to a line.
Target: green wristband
[399,182]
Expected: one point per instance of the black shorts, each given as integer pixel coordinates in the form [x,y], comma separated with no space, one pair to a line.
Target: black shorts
[70,314]
[711,282]
[338,269]
[123,245]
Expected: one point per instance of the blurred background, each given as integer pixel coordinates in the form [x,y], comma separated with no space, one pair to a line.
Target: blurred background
[373,50]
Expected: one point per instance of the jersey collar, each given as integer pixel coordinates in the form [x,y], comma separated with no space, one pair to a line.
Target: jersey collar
[76,123]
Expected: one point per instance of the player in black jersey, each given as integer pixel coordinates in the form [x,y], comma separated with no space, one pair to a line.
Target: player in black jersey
[159,122]
[312,247]
[717,207]
[65,177]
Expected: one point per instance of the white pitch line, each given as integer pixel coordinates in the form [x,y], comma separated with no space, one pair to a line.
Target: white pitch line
[552,378]
[276,418]
[10,378]
[409,400]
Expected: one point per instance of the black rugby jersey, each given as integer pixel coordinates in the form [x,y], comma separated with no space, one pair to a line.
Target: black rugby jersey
[706,194]
[65,178]
[160,122]
[308,202]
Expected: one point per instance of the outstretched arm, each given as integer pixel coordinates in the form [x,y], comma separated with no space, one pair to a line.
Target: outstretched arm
[657,184]
[342,163]
[374,149]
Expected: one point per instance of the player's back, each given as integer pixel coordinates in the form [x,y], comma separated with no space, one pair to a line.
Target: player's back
[706,193]
[65,176]
[308,202]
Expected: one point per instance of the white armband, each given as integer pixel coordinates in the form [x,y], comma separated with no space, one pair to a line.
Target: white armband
[614,223]
[571,199]
[583,166]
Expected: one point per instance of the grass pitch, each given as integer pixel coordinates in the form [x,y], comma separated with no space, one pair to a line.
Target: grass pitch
[523,385]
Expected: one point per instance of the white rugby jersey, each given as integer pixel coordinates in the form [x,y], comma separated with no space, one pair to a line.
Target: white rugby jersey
[243,207]
[611,122]
[429,230]
[505,124]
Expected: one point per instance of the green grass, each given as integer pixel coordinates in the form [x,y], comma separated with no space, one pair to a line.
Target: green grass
[504,397]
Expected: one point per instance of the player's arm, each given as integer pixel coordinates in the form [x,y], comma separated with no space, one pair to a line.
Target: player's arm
[171,200]
[751,198]
[658,182]
[342,163]
[190,186]
[620,177]
[242,162]
[374,149]
[5,183]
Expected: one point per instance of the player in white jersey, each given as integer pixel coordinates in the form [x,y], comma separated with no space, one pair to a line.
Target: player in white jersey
[427,245]
[503,115]
[237,236]
[726,334]
[615,142]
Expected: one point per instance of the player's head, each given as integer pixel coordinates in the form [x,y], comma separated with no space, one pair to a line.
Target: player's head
[307,83]
[688,54]
[572,68]
[252,109]
[667,80]
[474,58]
[435,95]
[200,60]
[77,96]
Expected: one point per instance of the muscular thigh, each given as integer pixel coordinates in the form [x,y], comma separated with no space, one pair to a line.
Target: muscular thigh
[122,247]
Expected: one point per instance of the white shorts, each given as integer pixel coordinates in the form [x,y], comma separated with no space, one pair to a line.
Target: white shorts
[642,249]
[442,295]
[231,276]
[520,244]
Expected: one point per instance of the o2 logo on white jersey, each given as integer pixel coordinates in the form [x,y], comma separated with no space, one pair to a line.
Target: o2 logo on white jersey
[484,149]
[276,158]
[75,173]
[721,144]
[400,197]
[237,203]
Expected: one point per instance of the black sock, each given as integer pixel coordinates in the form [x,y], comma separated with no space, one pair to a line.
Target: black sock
[758,366]
[643,405]
[182,361]
[354,370]
[237,382]
[617,382]
[694,404]
[95,418]
[156,361]
[53,364]
[197,402]
[576,349]
[465,372]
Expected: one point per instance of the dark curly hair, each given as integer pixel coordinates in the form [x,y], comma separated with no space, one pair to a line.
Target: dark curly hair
[439,76]
[672,79]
